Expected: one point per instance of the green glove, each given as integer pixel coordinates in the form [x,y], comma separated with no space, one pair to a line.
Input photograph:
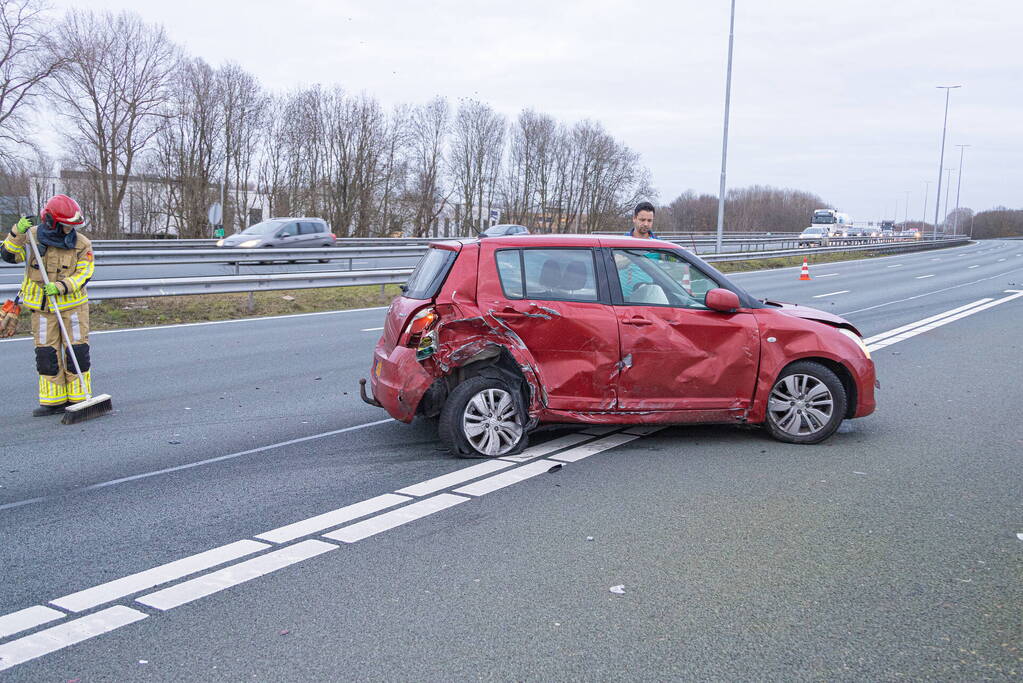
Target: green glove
[51,289]
[22,226]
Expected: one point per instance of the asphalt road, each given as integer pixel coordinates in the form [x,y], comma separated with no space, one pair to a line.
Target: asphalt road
[889,551]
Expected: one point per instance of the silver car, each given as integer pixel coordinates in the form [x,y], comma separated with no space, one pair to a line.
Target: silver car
[282,233]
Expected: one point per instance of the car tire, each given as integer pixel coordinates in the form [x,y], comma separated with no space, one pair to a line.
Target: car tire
[475,402]
[806,405]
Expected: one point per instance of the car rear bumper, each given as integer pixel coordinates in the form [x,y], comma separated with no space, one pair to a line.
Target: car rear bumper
[398,382]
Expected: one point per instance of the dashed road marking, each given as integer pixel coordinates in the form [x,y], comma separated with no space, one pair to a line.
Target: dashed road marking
[454,478]
[973,266]
[200,587]
[924,277]
[920,329]
[61,636]
[333,518]
[827,275]
[372,329]
[396,518]
[897,265]
[586,450]
[499,481]
[136,583]
[27,618]
[841,291]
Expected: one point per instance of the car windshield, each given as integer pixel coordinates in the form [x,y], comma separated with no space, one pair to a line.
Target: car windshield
[813,231]
[264,228]
[823,220]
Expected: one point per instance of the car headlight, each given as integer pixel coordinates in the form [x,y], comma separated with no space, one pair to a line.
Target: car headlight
[856,338]
[220,243]
[248,244]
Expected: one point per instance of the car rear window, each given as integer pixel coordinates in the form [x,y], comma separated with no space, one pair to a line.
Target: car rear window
[426,279]
[551,274]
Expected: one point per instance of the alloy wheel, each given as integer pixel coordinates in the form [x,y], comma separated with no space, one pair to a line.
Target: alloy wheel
[801,405]
[490,422]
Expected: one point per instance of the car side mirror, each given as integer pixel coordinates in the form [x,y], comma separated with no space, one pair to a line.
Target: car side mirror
[723,300]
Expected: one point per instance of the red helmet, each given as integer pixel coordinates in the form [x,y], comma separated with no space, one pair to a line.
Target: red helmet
[62,209]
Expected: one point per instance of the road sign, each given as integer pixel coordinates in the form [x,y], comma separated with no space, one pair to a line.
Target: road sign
[215,214]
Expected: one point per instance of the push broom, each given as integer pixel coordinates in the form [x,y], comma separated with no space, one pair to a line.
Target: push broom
[92,406]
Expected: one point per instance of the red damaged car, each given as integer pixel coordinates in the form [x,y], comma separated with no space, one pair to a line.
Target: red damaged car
[497,335]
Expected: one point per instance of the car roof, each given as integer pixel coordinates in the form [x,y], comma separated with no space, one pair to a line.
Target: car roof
[564,240]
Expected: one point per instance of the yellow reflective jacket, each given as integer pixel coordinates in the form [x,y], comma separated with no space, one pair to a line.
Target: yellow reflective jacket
[69,269]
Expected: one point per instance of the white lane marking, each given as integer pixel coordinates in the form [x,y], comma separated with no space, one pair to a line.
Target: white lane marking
[499,481]
[550,446]
[586,450]
[457,477]
[27,618]
[200,463]
[236,574]
[935,259]
[826,275]
[924,277]
[333,518]
[61,636]
[821,296]
[945,321]
[135,583]
[216,322]
[934,291]
[925,321]
[974,266]
[1000,260]
[372,329]
[390,520]
[897,265]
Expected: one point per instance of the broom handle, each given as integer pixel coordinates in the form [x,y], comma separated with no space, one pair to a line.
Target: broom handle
[60,320]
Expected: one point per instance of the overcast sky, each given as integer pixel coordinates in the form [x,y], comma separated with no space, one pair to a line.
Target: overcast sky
[836,97]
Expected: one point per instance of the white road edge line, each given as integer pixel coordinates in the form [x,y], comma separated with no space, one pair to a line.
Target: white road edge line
[944,321]
[200,587]
[217,322]
[136,583]
[933,291]
[70,633]
[925,321]
[821,296]
[200,463]
[499,481]
[586,450]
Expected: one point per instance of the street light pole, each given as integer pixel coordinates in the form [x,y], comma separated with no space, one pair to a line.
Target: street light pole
[959,186]
[927,192]
[941,161]
[905,219]
[948,186]
[724,141]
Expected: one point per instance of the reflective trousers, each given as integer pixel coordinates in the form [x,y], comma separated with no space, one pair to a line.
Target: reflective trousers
[58,381]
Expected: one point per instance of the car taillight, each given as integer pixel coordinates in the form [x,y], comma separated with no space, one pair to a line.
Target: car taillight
[419,329]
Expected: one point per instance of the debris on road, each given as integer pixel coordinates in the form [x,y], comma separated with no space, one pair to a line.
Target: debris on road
[618,590]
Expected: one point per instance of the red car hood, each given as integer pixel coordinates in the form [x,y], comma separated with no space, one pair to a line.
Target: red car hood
[812,314]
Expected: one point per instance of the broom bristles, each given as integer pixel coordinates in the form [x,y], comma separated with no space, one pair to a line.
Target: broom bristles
[86,410]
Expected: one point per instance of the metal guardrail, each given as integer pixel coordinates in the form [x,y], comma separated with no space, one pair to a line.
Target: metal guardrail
[225,284]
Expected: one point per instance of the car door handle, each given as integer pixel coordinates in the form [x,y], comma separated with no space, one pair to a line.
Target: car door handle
[637,321]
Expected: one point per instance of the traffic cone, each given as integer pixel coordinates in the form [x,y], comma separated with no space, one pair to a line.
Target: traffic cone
[805,272]
[687,282]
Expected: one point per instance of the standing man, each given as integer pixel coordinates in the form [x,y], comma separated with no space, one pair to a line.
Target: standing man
[643,222]
[67,257]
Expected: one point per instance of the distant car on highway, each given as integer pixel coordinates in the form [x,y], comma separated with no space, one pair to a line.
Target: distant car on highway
[814,236]
[282,233]
[872,232]
[497,336]
[505,229]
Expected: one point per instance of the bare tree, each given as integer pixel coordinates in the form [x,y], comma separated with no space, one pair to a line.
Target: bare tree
[243,107]
[112,90]
[430,124]
[25,63]
[476,153]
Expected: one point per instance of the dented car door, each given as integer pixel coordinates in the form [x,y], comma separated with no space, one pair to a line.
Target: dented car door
[554,303]
[676,353]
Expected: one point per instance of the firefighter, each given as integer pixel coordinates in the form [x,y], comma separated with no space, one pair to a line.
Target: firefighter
[67,257]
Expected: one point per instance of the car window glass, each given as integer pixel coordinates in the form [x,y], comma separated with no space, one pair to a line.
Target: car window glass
[429,274]
[306,228]
[289,230]
[560,274]
[660,278]
[509,269]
